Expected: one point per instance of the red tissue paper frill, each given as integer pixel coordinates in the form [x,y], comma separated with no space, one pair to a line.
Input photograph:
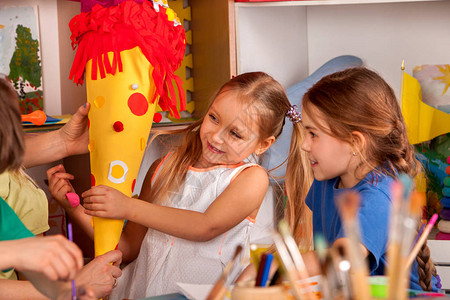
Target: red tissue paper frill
[123,27]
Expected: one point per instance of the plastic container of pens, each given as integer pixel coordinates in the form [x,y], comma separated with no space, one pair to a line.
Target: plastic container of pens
[248,291]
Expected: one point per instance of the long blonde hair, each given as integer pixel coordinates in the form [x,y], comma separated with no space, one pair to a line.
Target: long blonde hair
[255,89]
[297,183]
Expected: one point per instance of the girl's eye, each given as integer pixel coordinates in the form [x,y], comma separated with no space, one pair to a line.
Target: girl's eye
[312,134]
[213,118]
[235,134]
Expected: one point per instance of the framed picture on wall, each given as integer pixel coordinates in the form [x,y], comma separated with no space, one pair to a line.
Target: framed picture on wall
[20,55]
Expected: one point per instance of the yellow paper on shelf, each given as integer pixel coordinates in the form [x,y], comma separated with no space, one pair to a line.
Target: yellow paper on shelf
[423,122]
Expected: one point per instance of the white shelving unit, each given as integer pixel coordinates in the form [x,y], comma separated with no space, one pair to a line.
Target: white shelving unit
[291,39]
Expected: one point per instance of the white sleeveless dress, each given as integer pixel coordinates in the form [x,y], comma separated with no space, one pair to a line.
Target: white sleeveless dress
[165,260]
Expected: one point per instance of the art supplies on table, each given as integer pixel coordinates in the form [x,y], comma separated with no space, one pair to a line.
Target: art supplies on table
[422,237]
[219,289]
[349,203]
[407,208]
[291,261]
[263,270]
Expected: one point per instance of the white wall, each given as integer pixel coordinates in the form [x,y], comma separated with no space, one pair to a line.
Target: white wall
[382,35]
[292,41]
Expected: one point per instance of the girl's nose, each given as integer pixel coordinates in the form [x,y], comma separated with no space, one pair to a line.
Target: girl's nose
[217,136]
[305,145]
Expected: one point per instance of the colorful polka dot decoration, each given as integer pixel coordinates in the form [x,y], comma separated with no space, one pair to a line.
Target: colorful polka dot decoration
[157,118]
[133,185]
[445,202]
[118,171]
[446,192]
[447,181]
[118,126]
[92,180]
[138,104]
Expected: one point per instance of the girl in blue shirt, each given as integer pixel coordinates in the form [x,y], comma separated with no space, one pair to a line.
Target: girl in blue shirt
[355,138]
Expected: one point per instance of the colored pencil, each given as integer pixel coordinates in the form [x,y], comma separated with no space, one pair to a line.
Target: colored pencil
[266,269]
[262,265]
[423,237]
[69,233]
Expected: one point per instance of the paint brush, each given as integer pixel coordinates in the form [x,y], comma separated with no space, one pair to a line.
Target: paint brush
[69,233]
[407,207]
[294,252]
[219,289]
[423,237]
[348,204]
[288,265]
[394,239]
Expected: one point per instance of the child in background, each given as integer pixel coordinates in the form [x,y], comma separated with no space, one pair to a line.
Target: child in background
[355,138]
[199,202]
[16,188]
[48,262]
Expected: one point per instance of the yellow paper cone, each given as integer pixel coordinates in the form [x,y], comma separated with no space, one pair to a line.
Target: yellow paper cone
[128,53]
[120,120]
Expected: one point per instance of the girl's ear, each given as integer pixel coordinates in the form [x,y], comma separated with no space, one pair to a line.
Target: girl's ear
[358,142]
[264,145]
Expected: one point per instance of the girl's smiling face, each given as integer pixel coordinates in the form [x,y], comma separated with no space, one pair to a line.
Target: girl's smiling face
[329,156]
[229,132]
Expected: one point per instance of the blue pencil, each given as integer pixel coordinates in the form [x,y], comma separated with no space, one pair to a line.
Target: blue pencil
[265,274]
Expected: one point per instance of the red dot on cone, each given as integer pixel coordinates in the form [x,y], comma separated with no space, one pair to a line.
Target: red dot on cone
[157,118]
[132,185]
[92,180]
[138,104]
[118,126]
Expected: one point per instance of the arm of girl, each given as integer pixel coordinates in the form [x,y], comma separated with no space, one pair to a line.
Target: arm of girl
[59,186]
[242,198]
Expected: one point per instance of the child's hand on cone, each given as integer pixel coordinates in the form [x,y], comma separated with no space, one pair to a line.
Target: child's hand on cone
[106,202]
[59,185]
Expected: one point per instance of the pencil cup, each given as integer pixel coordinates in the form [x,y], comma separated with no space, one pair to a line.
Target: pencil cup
[248,291]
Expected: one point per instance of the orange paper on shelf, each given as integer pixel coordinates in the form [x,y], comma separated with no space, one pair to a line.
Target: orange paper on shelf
[129,53]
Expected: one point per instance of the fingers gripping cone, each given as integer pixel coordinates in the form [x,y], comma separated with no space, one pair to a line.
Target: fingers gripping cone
[129,69]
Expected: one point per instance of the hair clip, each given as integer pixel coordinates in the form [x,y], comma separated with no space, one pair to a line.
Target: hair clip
[293,114]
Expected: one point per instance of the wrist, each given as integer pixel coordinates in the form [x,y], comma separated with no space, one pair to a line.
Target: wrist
[130,208]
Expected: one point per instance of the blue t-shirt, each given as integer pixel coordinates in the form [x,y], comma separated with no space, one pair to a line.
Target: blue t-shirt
[373,216]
